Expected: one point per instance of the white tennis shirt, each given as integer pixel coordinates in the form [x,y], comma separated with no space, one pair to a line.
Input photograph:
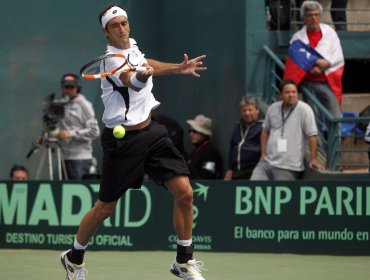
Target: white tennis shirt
[140,102]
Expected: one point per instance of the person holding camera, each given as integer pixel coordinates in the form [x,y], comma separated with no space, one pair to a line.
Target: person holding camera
[77,128]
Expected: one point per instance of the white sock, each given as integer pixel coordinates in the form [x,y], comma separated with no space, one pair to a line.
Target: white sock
[185,242]
[78,246]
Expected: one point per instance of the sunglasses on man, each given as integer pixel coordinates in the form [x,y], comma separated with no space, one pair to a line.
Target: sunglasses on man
[69,87]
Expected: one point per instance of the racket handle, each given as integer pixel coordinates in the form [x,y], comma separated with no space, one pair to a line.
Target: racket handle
[140,69]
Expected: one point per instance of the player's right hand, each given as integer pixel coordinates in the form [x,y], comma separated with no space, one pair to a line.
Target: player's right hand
[144,75]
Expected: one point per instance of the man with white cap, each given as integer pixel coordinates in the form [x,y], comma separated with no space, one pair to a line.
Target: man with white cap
[128,101]
[205,161]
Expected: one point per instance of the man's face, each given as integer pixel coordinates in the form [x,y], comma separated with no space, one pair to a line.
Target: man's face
[117,31]
[289,95]
[249,113]
[312,20]
[19,175]
[70,91]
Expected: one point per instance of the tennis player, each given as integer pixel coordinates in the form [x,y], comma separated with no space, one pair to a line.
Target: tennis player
[146,147]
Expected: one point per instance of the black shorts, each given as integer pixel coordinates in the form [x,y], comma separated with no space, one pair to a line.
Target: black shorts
[144,151]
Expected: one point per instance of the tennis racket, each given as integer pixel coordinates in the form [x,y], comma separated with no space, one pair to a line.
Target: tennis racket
[101,66]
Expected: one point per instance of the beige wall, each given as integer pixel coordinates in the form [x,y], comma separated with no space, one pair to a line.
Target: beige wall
[355,102]
[352,16]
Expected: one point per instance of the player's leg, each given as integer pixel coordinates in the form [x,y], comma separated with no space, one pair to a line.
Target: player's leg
[167,167]
[72,259]
[116,179]
[93,219]
[184,265]
[182,193]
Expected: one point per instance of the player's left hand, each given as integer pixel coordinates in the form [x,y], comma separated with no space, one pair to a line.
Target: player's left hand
[192,65]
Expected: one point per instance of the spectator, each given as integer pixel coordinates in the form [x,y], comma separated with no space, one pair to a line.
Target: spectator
[77,128]
[321,66]
[245,149]
[280,14]
[288,124]
[18,173]
[337,11]
[204,161]
[367,140]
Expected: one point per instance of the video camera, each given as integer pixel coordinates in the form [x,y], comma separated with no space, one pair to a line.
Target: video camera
[53,110]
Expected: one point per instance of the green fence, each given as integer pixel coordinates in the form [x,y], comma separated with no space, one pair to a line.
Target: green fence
[42,40]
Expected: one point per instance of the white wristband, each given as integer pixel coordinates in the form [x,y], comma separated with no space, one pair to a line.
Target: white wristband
[136,83]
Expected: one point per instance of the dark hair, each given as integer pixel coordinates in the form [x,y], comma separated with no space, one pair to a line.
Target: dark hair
[105,9]
[17,167]
[283,83]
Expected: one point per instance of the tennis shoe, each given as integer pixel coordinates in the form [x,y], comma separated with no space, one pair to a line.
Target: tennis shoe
[188,271]
[74,271]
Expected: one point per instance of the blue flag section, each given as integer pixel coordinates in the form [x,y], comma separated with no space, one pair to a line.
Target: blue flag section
[303,55]
[235,216]
[301,58]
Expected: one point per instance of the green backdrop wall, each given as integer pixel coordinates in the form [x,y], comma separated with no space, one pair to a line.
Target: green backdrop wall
[42,40]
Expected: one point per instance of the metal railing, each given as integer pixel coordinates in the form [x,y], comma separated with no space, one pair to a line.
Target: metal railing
[357,19]
[331,147]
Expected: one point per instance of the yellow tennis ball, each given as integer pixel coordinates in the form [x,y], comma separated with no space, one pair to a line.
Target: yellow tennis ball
[119,131]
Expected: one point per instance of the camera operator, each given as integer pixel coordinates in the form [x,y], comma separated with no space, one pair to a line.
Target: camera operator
[77,128]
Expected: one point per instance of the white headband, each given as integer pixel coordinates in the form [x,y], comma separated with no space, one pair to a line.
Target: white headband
[111,13]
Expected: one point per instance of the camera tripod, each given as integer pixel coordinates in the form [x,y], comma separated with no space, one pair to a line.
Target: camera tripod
[51,146]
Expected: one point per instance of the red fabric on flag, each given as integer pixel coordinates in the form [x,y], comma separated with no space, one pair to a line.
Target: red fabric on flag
[335,82]
[293,71]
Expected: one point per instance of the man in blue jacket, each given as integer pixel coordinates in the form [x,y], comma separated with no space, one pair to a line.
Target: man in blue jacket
[245,147]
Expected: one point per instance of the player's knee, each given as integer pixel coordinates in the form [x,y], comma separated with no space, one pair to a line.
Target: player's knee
[186,196]
[106,212]
[103,211]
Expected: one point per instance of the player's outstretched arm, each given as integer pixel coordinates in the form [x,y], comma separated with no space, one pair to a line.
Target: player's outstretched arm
[186,67]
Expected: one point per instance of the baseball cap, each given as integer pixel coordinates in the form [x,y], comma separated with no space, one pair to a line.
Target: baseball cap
[70,80]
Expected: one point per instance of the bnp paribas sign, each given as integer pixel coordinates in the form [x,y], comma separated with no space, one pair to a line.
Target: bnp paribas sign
[234,216]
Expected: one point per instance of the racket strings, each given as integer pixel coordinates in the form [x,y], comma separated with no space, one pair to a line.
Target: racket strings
[106,65]
[103,66]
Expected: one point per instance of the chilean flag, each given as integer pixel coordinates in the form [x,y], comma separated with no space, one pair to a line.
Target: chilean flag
[301,57]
